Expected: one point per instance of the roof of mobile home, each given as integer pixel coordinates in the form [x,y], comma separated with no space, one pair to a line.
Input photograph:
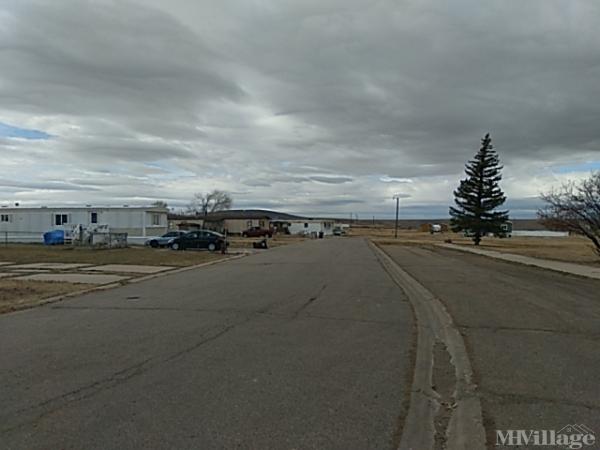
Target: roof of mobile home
[72,207]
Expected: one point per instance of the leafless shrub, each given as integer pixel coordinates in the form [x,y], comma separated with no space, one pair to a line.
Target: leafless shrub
[575,207]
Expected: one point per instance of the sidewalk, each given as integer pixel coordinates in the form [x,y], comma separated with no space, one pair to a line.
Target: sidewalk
[565,267]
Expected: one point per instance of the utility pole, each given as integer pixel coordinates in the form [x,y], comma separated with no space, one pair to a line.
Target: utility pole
[397,197]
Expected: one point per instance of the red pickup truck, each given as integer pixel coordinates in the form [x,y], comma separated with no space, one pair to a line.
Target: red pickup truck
[257,232]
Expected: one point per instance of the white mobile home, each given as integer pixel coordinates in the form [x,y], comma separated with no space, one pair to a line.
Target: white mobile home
[311,226]
[25,224]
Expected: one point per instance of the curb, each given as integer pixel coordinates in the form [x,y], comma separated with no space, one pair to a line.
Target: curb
[182,269]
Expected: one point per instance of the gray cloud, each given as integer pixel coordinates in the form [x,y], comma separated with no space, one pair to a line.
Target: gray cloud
[16,185]
[310,105]
[331,180]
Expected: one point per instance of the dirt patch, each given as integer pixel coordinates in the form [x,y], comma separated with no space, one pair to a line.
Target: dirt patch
[20,294]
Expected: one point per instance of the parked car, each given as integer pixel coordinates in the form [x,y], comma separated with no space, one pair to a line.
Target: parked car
[163,240]
[210,240]
[257,232]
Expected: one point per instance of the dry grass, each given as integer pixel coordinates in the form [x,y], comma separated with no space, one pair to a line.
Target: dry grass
[35,253]
[20,294]
[569,249]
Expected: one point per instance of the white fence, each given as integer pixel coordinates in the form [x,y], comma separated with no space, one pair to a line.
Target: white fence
[109,240]
[13,237]
[540,233]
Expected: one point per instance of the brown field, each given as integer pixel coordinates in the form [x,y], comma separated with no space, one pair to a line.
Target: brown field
[573,249]
[35,253]
[20,294]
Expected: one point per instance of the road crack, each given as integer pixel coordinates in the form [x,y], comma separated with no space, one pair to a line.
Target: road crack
[307,303]
[57,403]
[495,329]
[525,399]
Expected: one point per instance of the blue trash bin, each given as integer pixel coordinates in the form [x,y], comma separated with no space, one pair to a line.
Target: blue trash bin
[54,237]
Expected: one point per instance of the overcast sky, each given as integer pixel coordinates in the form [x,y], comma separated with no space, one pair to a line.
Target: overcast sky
[309,106]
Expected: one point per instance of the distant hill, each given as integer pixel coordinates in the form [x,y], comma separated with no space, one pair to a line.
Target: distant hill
[408,224]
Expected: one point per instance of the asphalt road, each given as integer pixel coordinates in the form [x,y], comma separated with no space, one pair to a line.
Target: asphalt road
[305,346]
[533,336]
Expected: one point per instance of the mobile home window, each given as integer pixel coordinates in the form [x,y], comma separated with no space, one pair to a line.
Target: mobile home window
[155,219]
[94,217]
[6,218]
[305,225]
[61,219]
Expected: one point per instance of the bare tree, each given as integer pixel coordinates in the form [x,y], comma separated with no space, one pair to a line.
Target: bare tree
[575,207]
[210,202]
[160,204]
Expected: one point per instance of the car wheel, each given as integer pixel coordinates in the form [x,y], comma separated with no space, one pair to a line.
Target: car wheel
[154,244]
[212,247]
[174,246]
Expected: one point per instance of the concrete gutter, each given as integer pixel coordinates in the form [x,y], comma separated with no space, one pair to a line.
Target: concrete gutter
[557,266]
[464,430]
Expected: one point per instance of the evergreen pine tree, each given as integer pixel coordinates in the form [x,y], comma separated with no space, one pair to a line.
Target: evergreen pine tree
[478,195]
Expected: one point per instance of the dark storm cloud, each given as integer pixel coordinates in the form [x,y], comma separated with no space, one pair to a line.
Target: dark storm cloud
[114,59]
[422,81]
[309,102]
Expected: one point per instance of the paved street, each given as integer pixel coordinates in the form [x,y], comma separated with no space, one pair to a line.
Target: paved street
[305,346]
[533,336]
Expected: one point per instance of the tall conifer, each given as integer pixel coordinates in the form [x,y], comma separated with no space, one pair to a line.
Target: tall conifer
[478,195]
